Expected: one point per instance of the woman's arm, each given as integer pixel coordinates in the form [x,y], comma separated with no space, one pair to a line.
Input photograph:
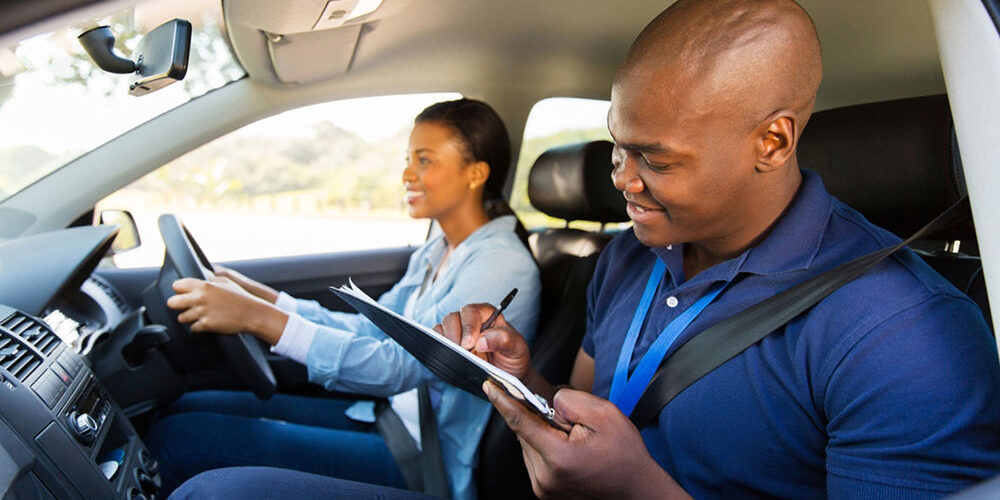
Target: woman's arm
[377,365]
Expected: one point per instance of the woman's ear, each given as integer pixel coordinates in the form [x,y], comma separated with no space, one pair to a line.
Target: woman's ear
[477,173]
[776,141]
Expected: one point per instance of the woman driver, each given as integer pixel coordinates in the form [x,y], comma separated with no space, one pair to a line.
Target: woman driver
[458,158]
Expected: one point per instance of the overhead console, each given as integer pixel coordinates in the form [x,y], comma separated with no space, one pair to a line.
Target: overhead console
[61,435]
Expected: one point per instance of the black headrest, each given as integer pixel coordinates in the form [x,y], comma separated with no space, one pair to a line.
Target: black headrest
[896,162]
[574,183]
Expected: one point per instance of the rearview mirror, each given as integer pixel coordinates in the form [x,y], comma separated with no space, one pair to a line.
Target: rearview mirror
[161,57]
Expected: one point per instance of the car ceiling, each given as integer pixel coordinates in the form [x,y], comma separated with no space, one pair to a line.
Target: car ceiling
[511,53]
[873,50]
[517,50]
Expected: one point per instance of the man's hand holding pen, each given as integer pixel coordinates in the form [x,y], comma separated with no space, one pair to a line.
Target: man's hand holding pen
[601,451]
[500,344]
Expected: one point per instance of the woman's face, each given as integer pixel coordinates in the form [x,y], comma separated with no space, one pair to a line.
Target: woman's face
[438,180]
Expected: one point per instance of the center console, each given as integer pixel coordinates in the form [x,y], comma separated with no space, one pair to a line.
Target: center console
[61,435]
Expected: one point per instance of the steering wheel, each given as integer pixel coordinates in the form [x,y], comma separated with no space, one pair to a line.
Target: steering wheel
[184,259]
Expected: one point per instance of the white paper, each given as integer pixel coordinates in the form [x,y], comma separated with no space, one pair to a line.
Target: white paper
[511,383]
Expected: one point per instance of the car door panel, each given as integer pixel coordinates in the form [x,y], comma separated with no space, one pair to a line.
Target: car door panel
[304,276]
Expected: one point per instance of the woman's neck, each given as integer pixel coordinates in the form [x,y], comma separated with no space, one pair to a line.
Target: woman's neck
[457,228]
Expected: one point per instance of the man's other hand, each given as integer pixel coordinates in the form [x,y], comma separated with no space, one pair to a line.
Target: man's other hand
[603,455]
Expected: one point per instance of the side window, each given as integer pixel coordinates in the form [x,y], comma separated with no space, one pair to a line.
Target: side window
[556,122]
[317,179]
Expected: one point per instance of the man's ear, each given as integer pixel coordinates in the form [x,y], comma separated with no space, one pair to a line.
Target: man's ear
[776,141]
[477,173]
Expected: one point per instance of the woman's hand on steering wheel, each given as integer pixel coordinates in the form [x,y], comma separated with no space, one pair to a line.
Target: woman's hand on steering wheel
[184,259]
[219,305]
[251,285]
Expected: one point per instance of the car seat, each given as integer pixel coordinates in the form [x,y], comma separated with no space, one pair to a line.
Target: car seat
[572,183]
[897,162]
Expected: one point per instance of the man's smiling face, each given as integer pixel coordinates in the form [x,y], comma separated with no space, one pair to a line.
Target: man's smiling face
[683,166]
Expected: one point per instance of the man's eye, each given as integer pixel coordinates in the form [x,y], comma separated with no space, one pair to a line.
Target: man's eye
[656,166]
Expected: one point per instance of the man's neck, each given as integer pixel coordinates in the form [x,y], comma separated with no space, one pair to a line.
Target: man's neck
[701,255]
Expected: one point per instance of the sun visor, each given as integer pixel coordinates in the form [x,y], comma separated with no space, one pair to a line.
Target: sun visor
[302,16]
[311,57]
[305,41]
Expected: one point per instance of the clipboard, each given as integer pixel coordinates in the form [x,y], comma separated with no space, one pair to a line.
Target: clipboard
[446,359]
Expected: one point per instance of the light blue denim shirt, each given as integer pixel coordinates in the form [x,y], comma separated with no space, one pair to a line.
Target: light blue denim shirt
[349,353]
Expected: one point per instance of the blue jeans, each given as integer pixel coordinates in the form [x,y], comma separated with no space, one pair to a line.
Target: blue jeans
[214,429]
[264,483]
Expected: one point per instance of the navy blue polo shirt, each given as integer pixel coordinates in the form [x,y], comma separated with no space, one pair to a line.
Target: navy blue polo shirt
[888,388]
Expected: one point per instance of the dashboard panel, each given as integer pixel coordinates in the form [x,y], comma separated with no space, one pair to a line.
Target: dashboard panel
[67,337]
[62,435]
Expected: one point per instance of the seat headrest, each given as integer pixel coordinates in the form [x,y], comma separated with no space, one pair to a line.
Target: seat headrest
[896,162]
[574,183]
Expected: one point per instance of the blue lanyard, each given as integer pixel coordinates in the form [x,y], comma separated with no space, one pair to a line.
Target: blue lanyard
[626,390]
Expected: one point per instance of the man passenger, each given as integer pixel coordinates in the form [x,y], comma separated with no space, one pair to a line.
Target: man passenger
[888,388]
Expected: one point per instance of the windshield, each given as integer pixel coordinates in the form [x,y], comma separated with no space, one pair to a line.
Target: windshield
[56,105]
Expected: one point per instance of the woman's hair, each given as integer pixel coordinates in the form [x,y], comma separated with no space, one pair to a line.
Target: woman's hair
[483,137]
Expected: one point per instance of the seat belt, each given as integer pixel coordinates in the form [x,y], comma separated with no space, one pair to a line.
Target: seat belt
[422,468]
[401,445]
[724,340]
[431,461]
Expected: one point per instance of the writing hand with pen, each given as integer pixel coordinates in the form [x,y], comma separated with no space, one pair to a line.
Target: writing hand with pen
[482,329]
[602,454]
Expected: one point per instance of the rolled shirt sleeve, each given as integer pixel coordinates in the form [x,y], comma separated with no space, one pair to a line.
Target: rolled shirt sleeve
[349,353]
[375,364]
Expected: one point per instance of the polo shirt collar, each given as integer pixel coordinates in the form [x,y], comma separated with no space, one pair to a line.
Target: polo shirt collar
[791,245]
[795,240]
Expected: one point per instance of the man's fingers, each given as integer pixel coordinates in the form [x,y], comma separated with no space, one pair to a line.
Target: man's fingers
[451,327]
[535,463]
[503,341]
[471,319]
[583,408]
[526,424]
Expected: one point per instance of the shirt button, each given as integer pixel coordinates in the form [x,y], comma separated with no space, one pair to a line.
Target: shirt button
[671,301]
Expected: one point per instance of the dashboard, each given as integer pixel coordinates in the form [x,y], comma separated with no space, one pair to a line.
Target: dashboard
[63,334]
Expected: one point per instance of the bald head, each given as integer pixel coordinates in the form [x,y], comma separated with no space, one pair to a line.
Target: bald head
[746,58]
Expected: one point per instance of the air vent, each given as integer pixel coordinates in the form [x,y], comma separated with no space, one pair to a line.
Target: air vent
[16,357]
[32,331]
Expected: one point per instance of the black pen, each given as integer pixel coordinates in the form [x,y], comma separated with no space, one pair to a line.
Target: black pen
[496,312]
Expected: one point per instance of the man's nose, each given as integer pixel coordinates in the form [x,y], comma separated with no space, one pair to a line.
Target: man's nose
[625,176]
